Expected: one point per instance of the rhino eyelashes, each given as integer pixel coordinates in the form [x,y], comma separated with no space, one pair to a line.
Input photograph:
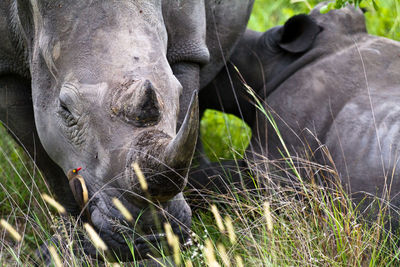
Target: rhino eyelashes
[74,132]
[67,116]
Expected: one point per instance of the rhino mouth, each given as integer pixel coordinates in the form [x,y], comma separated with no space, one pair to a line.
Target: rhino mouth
[143,236]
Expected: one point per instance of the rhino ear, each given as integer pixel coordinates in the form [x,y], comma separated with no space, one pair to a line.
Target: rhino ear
[298,34]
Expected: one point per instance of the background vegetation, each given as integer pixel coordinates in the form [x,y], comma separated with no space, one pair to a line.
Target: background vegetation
[300,224]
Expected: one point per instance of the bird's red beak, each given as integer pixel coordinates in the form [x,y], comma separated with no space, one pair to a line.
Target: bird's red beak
[78,169]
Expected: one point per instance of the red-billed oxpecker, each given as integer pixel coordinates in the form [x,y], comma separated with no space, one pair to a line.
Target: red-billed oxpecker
[78,188]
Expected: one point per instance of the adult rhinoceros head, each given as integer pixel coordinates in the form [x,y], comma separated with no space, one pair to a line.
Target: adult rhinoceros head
[105,97]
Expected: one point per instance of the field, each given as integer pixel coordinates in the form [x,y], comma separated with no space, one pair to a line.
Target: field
[302,224]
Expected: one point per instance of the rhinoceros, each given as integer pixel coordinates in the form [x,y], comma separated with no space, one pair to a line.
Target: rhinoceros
[326,82]
[105,84]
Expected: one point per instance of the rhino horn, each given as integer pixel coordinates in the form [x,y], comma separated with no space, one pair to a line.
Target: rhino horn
[177,157]
[179,152]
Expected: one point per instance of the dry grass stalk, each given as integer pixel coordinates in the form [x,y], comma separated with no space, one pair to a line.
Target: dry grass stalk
[124,211]
[173,242]
[10,230]
[52,202]
[156,261]
[140,176]
[55,257]
[223,255]
[96,239]
[230,229]
[209,253]
[218,218]
[268,217]
[239,261]
[188,263]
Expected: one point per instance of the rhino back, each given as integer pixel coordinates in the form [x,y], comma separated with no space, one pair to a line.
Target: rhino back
[310,100]
[363,140]
[226,22]
[348,100]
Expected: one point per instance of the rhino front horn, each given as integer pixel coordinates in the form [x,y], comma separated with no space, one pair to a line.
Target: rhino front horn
[180,151]
[170,179]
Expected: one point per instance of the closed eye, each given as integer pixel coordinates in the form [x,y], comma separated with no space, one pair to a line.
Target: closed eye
[66,115]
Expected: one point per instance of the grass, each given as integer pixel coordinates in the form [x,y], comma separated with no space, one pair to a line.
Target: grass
[287,221]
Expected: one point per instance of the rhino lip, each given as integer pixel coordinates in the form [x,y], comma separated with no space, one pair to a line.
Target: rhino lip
[153,238]
[159,238]
[144,245]
[120,236]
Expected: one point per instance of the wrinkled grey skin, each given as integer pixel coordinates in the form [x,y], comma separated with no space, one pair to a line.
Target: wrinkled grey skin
[104,84]
[324,77]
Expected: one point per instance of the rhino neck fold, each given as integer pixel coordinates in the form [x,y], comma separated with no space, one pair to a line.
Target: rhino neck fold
[188,75]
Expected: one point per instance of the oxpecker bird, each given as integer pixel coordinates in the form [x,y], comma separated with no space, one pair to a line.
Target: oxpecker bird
[79,189]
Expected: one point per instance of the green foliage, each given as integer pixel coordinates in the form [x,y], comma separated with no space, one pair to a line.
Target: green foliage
[382,21]
[337,4]
[270,13]
[224,136]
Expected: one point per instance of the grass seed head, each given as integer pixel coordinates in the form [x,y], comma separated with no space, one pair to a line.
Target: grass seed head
[96,239]
[218,218]
[55,257]
[124,211]
[140,176]
[10,230]
[230,229]
[239,261]
[188,263]
[209,254]
[52,202]
[173,242]
[223,255]
[268,216]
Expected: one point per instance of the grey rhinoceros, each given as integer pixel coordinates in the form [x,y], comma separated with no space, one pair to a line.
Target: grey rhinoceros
[327,82]
[105,84]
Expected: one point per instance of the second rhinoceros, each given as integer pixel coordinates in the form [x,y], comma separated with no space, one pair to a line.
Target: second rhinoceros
[327,82]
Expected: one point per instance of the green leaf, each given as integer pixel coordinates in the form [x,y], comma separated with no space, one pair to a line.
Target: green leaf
[376,7]
[325,9]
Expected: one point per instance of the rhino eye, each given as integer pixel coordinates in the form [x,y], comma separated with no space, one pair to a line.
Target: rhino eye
[66,114]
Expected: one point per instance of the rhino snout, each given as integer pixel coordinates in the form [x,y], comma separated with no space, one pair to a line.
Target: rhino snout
[166,161]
